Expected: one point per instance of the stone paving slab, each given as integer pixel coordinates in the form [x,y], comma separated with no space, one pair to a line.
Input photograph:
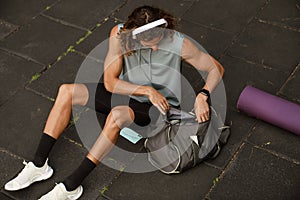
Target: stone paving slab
[213,41]
[229,15]
[175,7]
[276,139]
[240,73]
[140,164]
[43,40]
[4,197]
[91,12]
[6,28]
[283,12]
[20,12]
[25,116]
[98,35]
[257,174]
[65,72]
[15,73]
[156,185]
[291,89]
[270,45]
[101,198]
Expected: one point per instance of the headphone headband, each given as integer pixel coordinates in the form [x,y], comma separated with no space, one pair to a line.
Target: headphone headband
[148,26]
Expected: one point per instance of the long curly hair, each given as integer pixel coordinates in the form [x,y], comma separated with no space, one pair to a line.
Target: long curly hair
[141,16]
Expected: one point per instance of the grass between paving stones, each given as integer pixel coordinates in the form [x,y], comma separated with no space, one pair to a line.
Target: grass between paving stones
[99,24]
[35,77]
[84,37]
[74,119]
[103,190]
[71,48]
[215,181]
[73,141]
[121,169]
[80,40]
[112,160]
[51,99]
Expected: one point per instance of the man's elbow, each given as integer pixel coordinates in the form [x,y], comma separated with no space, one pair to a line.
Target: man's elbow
[220,68]
[108,84]
[221,71]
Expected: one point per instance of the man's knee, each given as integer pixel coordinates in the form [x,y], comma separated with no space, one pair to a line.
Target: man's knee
[121,116]
[65,90]
[77,94]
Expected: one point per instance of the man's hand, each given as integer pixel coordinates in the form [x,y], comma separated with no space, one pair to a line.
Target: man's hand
[201,108]
[158,100]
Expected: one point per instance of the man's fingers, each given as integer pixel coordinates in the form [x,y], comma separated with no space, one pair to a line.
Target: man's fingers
[202,116]
[199,119]
[166,105]
[206,115]
[160,109]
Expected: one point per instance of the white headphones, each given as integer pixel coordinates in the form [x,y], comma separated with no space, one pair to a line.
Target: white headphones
[148,26]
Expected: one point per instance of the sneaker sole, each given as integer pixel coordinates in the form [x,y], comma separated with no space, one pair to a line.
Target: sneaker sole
[76,196]
[42,177]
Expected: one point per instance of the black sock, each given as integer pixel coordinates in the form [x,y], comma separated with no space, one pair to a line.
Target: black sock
[74,180]
[42,152]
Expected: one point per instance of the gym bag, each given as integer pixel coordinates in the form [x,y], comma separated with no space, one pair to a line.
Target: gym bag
[181,142]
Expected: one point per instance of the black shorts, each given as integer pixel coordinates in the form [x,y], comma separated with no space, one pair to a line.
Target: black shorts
[103,101]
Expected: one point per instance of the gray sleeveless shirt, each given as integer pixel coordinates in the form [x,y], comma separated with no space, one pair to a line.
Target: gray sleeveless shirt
[159,69]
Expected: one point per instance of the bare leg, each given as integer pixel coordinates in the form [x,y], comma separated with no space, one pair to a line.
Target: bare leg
[68,95]
[119,117]
[38,169]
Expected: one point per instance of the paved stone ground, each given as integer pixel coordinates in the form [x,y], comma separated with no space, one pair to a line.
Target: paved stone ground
[43,43]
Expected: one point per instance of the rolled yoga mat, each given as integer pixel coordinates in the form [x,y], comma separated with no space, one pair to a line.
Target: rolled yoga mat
[270,108]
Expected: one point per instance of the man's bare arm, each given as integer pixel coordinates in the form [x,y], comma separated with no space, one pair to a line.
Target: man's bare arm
[203,62]
[113,68]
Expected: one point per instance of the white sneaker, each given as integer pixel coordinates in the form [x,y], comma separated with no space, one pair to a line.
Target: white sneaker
[29,175]
[60,192]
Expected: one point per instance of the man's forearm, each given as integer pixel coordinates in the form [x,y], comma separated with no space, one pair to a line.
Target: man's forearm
[212,80]
[214,76]
[119,86]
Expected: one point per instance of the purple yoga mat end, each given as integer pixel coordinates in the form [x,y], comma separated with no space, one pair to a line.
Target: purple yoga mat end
[270,108]
[242,96]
